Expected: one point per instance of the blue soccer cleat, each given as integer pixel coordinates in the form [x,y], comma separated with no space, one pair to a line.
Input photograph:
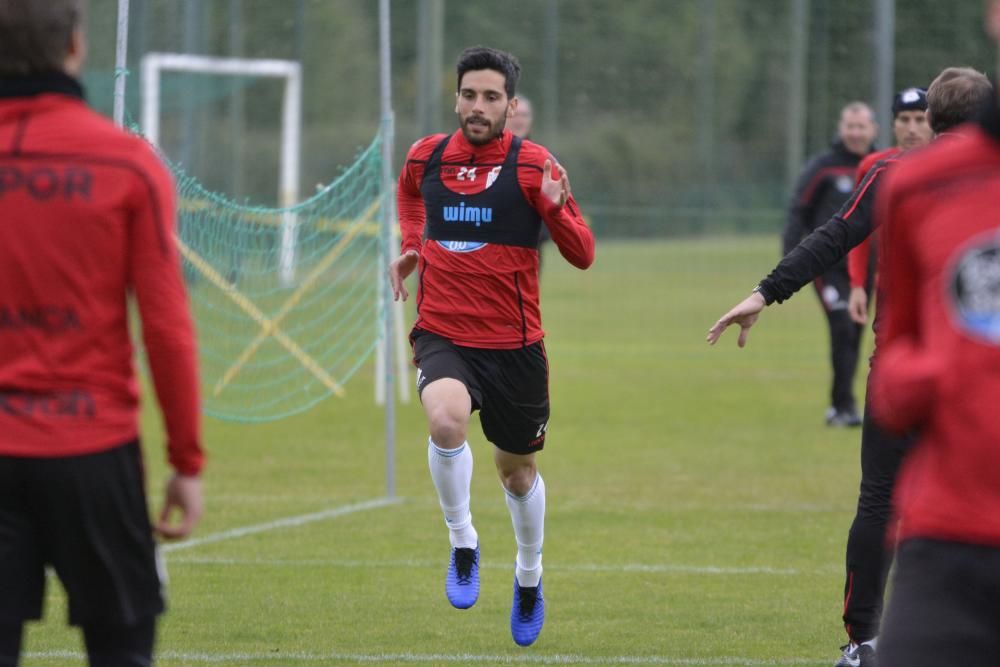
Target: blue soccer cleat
[527,614]
[462,583]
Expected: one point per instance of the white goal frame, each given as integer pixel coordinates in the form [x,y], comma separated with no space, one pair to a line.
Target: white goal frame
[291,122]
[288,188]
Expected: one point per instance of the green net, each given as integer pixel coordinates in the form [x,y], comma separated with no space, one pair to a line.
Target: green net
[285,300]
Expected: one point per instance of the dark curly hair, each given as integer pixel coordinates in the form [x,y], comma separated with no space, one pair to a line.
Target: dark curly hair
[482,57]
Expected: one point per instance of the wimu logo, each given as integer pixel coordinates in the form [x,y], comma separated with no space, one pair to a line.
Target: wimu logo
[475,215]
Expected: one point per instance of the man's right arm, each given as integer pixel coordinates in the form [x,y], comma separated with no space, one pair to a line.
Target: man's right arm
[409,200]
[412,216]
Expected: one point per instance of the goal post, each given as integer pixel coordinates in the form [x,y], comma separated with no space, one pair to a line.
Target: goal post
[316,212]
[291,213]
[291,122]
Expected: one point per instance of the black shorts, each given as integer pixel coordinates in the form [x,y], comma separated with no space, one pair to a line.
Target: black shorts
[944,608]
[510,388]
[86,516]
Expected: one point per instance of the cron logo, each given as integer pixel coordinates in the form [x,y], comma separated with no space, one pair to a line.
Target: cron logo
[975,289]
[475,215]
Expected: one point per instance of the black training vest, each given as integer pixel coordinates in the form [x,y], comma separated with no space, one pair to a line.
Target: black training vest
[499,214]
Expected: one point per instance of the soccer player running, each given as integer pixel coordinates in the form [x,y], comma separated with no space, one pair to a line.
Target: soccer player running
[937,372]
[88,217]
[953,98]
[471,204]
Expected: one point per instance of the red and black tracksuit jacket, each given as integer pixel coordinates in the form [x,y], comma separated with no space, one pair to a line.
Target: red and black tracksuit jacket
[86,218]
[474,213]
[939,365]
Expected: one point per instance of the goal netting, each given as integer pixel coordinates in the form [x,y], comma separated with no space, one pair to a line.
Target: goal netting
[286,299]
[271,347]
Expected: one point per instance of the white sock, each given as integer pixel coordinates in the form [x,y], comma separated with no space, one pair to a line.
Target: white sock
[527,513]
[451,470]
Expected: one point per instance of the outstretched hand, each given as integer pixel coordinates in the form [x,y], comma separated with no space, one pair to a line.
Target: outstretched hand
[745,313]
[399,269]
[184,495]
[556,189]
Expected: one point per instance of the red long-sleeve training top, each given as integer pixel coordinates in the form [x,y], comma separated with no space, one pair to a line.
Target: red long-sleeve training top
[487,297]
[939,365]
[86,217]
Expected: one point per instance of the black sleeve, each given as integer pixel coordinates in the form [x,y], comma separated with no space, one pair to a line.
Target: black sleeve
[800,210]
[828,245]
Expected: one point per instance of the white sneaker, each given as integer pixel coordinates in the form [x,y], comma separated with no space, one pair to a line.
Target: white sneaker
[856,655]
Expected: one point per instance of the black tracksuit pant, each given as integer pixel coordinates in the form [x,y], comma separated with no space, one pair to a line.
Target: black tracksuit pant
[868,558]
[834,290]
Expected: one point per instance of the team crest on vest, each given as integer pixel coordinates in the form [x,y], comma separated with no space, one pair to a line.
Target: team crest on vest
[493,175]
[975,289]
[845,184]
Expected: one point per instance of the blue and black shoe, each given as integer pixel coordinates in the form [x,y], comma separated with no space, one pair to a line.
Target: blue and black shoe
[462,583]
[527,614]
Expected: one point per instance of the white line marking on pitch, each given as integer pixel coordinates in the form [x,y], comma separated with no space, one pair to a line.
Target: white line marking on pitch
[288,522]
[654,568]
[464,658]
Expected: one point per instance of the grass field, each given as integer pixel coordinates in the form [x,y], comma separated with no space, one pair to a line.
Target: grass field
[697,506]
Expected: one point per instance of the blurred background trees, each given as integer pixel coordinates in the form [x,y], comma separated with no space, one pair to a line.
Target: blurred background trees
[674,117]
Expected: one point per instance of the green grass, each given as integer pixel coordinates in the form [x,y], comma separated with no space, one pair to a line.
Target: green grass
[697,506]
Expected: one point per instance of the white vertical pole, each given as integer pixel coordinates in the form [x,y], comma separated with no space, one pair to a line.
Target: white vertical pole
[885,41]
[402,346]
[795,126]
[121,62]
[400,340]
[291,138]
[151,98]
[380,306]
[388,219]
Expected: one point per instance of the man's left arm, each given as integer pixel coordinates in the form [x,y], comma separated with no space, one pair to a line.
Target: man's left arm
[550,194]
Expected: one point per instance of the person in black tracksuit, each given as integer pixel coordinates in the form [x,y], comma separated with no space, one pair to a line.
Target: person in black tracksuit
[824,185]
